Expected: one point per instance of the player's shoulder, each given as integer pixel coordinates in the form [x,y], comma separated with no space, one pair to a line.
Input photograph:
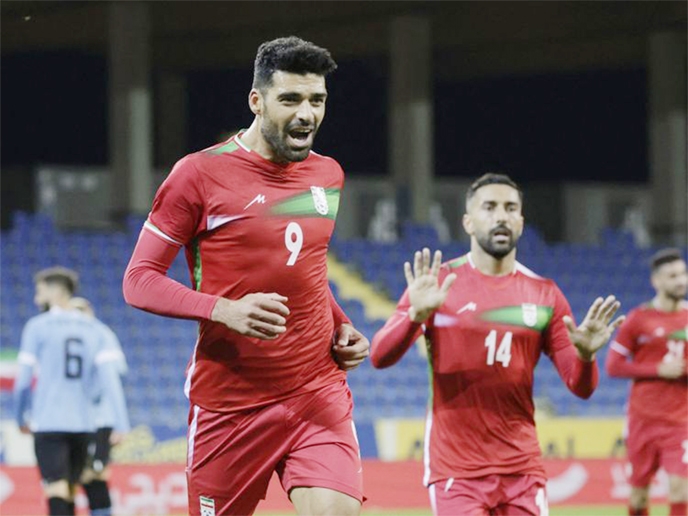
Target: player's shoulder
[531,275]
[207,159]
[642,310]
[536,282]
[325,161]
[36,321]
[457,265]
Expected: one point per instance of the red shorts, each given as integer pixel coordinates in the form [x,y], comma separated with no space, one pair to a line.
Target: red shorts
[309,440]
[651,444]
[493,495]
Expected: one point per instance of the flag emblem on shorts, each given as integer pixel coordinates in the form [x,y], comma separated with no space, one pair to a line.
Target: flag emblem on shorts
[320,200]
[207,506]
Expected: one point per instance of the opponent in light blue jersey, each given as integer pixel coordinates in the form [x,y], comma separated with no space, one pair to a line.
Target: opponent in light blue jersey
[94,478]
[76,362]
[106,412]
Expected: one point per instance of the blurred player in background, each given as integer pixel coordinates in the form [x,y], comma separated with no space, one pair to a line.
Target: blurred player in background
[73,360]
[651,349]
[255,215]
[95,475]
[486,320]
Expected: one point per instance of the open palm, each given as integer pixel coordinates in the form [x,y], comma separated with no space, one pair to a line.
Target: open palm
[595,330]
[425,293]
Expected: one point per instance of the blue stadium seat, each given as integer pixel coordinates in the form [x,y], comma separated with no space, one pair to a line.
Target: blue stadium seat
[158,349]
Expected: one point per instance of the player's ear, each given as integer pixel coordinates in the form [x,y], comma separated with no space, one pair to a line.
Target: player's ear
[255,101]
[467,224]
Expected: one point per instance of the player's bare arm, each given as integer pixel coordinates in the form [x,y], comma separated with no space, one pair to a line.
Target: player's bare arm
[596,329]
[351,347]
[672,369]
[425,293]
[258,315]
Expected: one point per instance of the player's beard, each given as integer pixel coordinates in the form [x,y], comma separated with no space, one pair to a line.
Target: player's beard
[497,250]
[676,295]
[277,139]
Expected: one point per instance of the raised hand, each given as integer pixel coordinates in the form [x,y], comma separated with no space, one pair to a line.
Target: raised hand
[425,293]
[595,330]
[351,347]
[257,315]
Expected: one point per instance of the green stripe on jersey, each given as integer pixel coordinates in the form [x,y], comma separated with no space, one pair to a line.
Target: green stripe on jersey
[198,268]
[678,335]
[458,262]
[526,315]
[227,148]
[431,372]
[322,202]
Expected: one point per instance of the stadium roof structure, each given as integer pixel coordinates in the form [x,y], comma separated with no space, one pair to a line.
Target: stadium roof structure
[469,38]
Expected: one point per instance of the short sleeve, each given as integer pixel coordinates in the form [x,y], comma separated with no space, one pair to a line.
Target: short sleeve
[178,206]
[28,350]
[556,335]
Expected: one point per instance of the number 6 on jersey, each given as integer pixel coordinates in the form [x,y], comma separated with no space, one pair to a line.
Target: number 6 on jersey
[293,239]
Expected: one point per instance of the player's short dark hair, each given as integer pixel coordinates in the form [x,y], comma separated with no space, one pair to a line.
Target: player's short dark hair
[492,178]
[290,54]
[663,256]
[66,278]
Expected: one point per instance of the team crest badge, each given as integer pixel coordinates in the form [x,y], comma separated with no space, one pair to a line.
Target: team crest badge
[320,200]
[529,314]
[207,506]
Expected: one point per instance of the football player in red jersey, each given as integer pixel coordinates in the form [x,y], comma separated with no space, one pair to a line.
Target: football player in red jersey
[255,215]
[651,349]
[487,319]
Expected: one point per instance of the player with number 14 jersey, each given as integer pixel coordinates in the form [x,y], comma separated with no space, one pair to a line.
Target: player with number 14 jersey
[483,346]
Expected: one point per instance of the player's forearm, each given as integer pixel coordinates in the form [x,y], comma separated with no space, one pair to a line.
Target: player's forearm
[393,340]
[581,376]
[618,366]
[22,394]
[147,286]
[337,313]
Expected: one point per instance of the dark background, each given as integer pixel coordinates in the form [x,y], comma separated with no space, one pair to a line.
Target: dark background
[589,125]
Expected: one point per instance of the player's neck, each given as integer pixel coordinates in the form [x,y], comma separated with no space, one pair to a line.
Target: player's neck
[253,139]
[491,266]
[61,302]
[665,303]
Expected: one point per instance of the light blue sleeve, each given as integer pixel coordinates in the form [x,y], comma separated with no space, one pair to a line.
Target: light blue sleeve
[112,390]
[27,360]
[113,343]
[22,393]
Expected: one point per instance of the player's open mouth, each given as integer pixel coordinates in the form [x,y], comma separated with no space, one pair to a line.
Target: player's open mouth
[300,137]
[501,235]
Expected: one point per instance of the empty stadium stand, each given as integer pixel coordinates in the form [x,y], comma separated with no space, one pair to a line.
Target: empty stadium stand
[158,349]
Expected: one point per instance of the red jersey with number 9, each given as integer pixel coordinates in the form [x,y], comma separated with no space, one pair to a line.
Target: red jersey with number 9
[250,225]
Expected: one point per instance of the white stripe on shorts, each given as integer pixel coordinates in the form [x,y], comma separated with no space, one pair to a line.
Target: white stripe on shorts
[433,498]
[192,437]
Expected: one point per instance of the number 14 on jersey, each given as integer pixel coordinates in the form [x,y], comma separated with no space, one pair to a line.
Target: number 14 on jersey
[501,353]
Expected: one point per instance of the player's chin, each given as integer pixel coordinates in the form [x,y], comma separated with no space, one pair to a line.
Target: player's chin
[299,154]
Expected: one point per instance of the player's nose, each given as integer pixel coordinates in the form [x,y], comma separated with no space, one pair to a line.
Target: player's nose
[305,112]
